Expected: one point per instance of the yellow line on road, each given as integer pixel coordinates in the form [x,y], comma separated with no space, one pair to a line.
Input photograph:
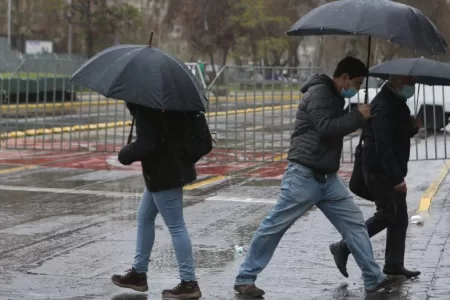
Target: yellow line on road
[251,98]
[428,195]
[60,130]
[202,183]
[60,104]
[68,105]
[280,157]
[16,169]
[88,127]
[250,110]
[13,107]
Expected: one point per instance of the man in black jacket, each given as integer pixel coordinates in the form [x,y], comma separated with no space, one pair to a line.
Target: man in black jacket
[311,177]
[385,156]
[165,175]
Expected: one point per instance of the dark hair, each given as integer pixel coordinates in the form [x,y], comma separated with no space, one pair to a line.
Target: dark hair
[352,66]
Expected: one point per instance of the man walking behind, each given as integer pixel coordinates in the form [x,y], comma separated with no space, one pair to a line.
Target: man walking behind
[385,155]
[310,177]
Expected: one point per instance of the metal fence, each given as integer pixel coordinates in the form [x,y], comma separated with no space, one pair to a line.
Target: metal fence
[251,110]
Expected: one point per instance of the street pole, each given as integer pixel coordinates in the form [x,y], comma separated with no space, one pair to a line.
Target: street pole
[9,21]
[69,38]
[69,43]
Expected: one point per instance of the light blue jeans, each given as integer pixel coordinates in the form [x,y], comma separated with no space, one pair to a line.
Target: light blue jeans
[300,191]
[169,204]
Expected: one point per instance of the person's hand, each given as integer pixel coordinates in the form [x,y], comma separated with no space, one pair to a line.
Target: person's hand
[364,109]
[416,122]
[401,187]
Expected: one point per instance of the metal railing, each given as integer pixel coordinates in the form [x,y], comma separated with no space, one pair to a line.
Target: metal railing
[251,110]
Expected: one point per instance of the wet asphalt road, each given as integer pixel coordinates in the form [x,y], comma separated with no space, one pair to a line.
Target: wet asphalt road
[66,242]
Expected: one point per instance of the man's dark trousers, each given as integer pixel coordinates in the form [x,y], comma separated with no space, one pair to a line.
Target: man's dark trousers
[391,214]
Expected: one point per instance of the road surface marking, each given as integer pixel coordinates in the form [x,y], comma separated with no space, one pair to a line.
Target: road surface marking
[16,169]
[280,157]
[75,192]
[202,183]
[254,128]
[254,98]
[427,197]
[97,126]
[242,199]
[68,105]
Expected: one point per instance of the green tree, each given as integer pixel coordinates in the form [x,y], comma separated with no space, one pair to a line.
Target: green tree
[261,26]
[102,23]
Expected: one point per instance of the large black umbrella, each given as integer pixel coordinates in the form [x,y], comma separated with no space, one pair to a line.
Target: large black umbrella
[142,75]
[389,20]
[426,71]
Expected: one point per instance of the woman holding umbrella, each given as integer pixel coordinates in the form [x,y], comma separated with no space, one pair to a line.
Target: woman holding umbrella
[166,101]
[165,175]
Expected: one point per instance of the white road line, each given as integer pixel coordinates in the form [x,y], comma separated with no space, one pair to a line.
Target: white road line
[69,191]
[80,192]
[242,199]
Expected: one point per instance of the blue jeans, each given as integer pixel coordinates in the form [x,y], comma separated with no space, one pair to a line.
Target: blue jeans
[300,191]
[169,204]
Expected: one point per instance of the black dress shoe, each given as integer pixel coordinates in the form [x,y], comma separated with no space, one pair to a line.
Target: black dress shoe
[386,283]
[340,253]
[399,270]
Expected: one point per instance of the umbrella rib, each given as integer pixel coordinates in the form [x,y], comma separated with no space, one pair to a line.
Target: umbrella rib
[196,84]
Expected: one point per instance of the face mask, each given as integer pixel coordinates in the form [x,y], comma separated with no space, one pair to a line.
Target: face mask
[408,91]
[350,93]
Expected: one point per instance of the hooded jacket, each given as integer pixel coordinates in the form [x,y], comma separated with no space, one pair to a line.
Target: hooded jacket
[320,126]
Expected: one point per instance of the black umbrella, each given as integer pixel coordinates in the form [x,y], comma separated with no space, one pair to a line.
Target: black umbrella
[426,71]
[389,20]
[142,75]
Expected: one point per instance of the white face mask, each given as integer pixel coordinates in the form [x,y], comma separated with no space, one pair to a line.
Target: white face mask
[408,91]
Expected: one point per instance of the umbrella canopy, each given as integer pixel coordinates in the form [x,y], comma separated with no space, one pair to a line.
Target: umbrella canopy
[142,75]
[389,20]
[426,71]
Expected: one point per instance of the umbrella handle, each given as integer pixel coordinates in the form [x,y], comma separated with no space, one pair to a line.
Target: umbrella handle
[366,98]
[151,39]
[130,136]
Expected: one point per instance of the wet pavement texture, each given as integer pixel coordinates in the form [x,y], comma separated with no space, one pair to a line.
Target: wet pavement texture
[64,231]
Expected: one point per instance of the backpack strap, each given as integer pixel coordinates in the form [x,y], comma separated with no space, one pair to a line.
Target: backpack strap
[130,136]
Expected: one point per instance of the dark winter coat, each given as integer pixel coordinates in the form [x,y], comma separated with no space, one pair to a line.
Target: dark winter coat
[387,138]
[156,135]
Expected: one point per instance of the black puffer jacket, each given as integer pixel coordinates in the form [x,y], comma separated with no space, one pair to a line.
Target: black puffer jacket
[320,126]
[154,148]
[387,138]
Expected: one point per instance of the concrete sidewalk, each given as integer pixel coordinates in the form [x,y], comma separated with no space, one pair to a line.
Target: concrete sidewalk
[429,249]
[65,228]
